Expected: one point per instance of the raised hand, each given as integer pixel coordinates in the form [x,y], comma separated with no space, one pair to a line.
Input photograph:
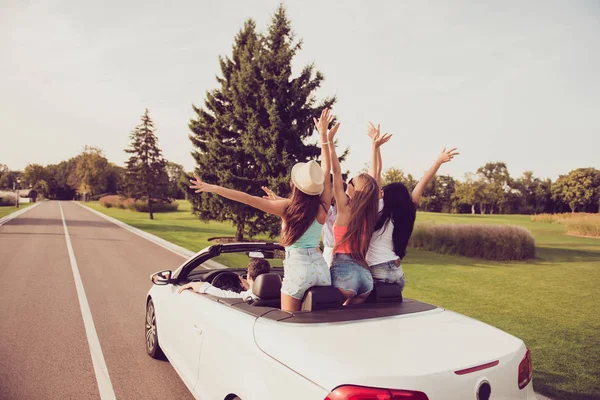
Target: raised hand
[446,155]
[199,186]
[270,194]
[331,133]
[374,131]
[375,135]
[323,122]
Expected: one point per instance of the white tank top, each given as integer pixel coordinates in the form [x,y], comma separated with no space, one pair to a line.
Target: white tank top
[381,249]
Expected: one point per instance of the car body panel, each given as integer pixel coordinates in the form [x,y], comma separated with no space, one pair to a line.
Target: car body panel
[228,359]
[416,352]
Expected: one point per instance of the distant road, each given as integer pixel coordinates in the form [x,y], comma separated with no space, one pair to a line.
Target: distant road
[47,337]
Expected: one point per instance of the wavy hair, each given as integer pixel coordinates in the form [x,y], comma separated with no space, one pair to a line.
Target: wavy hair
[299,216]
[363,208]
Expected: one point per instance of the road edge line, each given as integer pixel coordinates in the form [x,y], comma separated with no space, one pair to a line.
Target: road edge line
[100,369]
[7,218]
[172,247]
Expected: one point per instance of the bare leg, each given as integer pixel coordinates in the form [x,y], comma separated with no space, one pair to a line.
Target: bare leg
[348,295]
[359,299]
[288,303]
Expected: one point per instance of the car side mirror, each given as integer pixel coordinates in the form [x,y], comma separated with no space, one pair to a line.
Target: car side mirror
[161,277]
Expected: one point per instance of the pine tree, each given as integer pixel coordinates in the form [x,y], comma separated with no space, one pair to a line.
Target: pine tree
[146,176]
[256,126]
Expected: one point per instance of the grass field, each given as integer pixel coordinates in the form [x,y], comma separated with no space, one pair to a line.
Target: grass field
[552,302]
[5,210]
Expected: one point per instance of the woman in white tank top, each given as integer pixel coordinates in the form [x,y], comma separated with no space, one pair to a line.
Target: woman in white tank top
[397,213]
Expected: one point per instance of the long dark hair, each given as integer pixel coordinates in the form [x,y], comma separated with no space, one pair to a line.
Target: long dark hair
[402,211]
[299,216]
[363,208]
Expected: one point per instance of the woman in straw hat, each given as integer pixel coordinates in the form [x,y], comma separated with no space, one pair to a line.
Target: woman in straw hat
[303,215]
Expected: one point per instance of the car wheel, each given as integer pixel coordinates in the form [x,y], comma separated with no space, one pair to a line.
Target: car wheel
[152,347]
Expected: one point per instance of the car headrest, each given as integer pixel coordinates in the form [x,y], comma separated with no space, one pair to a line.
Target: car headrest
[267,286]
[385,293]
[322,298]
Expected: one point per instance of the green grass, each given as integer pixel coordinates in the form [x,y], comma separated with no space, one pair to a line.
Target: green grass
[550,302]
[5,210]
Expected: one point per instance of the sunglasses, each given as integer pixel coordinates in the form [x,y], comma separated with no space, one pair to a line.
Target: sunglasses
[350,182]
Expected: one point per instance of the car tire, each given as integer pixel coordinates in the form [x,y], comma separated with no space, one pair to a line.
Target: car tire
[151,335]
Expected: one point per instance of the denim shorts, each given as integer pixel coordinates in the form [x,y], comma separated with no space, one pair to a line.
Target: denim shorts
[347,274]
[303,269]
[388,272]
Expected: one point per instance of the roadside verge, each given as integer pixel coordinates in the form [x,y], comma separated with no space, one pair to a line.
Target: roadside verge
[15,214]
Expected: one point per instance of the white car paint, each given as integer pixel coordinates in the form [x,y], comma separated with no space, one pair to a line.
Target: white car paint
[418,351]
[224,353]
[218,350]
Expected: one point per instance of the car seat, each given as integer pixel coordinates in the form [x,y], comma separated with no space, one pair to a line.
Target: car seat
[268,289]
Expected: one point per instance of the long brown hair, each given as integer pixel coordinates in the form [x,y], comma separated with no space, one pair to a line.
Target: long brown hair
[364,208]
[299,216]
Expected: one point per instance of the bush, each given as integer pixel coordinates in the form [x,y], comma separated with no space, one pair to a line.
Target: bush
[7,199]
[97,197]
[116,201]
[585,224]
[584,228]
[142,206]
[491,242]
[136,205]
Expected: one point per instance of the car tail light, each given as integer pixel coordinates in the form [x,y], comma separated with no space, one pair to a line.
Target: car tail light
[351,392]
[525,370]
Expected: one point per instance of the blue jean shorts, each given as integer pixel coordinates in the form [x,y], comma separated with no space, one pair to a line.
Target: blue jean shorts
[347,274]
[303,269]
[388,272]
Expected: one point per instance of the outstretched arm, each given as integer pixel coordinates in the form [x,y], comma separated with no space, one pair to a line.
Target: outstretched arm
[444,157]
[378,141]
[276,207]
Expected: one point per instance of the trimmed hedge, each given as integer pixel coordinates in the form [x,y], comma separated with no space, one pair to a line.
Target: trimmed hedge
[490,242]
[97,197]
[117,201]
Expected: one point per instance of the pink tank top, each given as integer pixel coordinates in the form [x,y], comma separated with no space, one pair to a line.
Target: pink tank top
[338,234]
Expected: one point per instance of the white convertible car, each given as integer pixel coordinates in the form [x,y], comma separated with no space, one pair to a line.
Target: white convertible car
[388,348]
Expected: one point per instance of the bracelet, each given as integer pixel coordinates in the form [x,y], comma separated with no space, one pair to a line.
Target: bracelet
[324,143]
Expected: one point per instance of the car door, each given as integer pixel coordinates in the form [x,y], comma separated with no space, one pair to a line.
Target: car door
[185,334]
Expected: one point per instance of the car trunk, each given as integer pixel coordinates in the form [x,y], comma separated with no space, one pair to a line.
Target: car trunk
[419,351]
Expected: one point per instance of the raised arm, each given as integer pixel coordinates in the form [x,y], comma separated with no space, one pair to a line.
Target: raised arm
[377,141]
[341,200]
[276,207]
[322,124]
[444,157]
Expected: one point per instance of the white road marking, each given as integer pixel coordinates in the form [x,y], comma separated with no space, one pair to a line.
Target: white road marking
[15,214]
[102,378]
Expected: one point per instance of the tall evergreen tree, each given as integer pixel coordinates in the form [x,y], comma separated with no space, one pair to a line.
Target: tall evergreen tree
[146,175]
[256,125]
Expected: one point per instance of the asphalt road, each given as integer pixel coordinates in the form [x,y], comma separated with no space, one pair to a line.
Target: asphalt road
[45,350]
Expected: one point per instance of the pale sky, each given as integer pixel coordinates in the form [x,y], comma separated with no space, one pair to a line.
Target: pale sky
[513,81]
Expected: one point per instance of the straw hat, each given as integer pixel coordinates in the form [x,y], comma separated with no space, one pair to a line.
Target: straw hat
[308,177]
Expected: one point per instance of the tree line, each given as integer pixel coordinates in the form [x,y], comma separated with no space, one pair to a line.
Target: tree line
[492,190]
[147,175]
